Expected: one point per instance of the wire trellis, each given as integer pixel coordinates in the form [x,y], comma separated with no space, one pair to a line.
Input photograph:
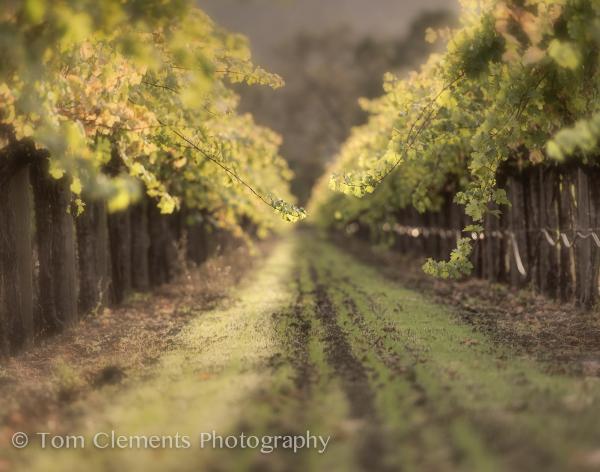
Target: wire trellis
[561,237]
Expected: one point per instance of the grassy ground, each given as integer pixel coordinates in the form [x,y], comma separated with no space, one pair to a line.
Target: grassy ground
[314,340]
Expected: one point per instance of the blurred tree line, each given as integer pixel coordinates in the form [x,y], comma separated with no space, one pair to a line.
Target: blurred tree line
[325,76]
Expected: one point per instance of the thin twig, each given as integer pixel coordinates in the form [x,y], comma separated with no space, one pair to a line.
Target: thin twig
[221,165]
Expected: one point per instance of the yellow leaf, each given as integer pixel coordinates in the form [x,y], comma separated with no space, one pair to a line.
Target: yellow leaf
[167,205]
[119,202]
[76,187]
[565,54]
[55,171]
[431,35]
[34,10]
[179,163]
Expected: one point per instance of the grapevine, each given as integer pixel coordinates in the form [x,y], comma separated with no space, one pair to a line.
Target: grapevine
[517,86]
[147,82]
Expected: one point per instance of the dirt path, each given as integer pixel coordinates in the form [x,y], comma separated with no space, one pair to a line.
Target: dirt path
[315,341]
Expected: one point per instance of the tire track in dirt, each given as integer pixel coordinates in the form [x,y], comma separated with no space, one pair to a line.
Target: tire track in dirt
[300,329]
[355,381]
[293,326]
[500,438]
[398,365]
[390,359]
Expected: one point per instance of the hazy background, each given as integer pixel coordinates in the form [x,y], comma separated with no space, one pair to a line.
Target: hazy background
[330,52]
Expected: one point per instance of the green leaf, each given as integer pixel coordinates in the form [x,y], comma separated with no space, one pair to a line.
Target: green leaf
[554,151]
[565,54]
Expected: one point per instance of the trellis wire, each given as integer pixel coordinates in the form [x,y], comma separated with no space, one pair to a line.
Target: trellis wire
[562,237]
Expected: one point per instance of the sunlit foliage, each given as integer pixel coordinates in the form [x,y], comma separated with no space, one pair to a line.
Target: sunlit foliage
[518,85]
[146,81]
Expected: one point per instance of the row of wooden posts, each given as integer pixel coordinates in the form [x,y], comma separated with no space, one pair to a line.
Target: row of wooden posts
[548,240]
[56,268]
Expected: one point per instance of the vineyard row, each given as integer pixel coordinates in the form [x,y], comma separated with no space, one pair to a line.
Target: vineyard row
[56,268]
[543,240]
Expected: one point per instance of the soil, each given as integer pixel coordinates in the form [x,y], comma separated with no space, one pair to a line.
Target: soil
[354,380]
[401,372]
[37,385]
[566,338]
